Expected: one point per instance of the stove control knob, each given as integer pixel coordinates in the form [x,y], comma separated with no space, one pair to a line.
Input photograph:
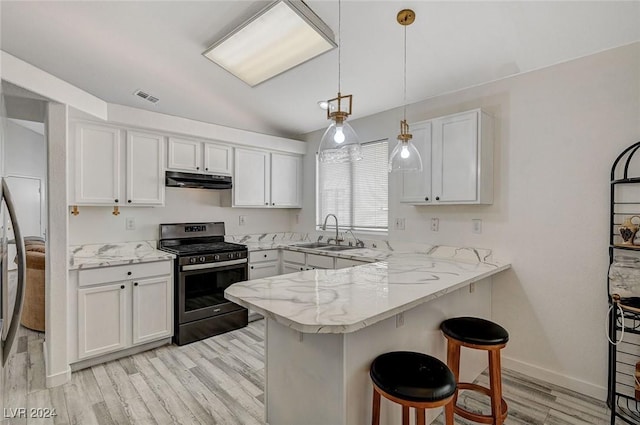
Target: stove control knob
[201,259]
[192,260]
[231,255]
[216,257]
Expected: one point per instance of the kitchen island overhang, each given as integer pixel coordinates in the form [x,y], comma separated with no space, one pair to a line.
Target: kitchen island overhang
[324,327]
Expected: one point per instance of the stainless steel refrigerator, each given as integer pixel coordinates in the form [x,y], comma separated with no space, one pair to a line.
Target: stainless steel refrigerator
[12,283]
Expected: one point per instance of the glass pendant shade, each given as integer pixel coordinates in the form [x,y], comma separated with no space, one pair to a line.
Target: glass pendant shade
[405,157]
[339,144]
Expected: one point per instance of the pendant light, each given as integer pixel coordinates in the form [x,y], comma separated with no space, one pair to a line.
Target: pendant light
[339,142]
[405,157]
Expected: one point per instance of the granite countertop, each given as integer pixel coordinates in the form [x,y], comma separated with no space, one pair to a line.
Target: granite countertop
[113,254]
[345,300]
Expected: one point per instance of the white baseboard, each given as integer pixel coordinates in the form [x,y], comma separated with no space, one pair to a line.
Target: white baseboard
[56,379]
[569,382]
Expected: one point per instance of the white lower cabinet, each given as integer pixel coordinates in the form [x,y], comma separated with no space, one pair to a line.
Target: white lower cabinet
[342,263]
[117,315]
[102,319]
[152,306]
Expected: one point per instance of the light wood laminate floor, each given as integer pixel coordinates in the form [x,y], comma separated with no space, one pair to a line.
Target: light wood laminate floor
[220,381]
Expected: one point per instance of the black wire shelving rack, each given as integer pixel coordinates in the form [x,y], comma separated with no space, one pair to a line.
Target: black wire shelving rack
[624,317]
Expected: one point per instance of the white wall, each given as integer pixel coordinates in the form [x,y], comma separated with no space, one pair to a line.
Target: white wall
[25,152]
[97,224]
[558,131]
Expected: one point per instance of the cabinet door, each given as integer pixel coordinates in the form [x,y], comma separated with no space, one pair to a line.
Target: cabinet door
[292,268]
[286,180]
[251,178]
[152,309]
[217,159]
[265,269]
[97,165]
[184,155]
[416,186]
[455,153]
[145,169]
[102,317]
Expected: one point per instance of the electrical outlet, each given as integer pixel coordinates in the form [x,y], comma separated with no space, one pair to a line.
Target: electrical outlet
[131,223]
[472,287]
[477,225]
[435,224]
[399,224]
[399,320]
[297,218]
[242,220]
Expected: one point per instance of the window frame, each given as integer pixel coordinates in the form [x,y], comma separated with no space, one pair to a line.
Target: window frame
[358,229]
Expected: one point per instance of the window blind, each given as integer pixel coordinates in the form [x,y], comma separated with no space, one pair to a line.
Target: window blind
[357,193]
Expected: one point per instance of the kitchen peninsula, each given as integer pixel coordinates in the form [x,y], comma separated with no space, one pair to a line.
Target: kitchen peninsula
[324,327]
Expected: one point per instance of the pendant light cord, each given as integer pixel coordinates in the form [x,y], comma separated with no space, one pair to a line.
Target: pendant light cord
[339,41]
[405,75]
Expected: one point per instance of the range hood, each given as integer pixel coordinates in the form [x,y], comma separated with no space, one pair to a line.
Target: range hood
[198,181]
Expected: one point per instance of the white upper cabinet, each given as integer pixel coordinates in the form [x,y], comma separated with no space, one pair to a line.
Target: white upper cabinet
[251,181]
[199,157]
[110,171]
[268,180]
[286,180]
[184,155]
[145,171]
[217,159]
[457,159]
[97,165]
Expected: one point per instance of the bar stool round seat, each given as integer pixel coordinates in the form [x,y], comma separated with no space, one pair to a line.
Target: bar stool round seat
[476,331]
[412,380]
[479,334]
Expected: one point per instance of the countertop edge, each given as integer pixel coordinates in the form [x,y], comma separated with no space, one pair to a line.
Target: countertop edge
[108,263]
[337,329]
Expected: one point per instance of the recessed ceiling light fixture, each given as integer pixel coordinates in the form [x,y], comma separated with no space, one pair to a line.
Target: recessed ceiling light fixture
[280,37]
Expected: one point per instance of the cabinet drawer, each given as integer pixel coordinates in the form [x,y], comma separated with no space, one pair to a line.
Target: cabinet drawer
[119,273]
[293,257]
[292,268]
[319,261]
[268,255]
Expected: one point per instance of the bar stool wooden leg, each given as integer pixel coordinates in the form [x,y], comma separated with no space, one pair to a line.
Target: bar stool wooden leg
[405,415]
[453,361]
[448,413]
[375,414]
[420,417]
[495,383]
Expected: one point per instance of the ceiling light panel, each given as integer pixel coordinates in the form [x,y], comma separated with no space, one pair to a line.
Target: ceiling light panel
[280,37]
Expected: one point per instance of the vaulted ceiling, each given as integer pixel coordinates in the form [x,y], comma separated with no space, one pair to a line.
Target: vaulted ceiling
[110,49]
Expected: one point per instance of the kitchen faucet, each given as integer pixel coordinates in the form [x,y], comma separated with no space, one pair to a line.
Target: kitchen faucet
[359,243]
[338,239]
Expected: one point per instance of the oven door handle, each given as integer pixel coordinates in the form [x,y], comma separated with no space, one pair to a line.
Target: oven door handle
[213,265]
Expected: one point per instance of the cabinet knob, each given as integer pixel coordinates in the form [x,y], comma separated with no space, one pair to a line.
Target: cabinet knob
[437,198]
[273,203]
[197,168]
[128,273]
[266,203]
[116,201]
[206,169]
[265,255]
[135,283]
[129,201]
[301,268]
[426,198]
[251,267]
[121,286]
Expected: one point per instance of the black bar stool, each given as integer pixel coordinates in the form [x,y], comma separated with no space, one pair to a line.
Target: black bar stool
[412,380]
[479,334]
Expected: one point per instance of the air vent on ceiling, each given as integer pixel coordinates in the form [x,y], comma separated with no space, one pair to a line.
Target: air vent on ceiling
[146,96]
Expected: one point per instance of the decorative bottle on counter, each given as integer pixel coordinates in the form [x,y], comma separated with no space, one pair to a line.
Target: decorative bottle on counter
[628,230]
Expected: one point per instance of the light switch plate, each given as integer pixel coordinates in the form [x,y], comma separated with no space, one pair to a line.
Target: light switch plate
[242,220]
[131,223]
[399,224]
[477,225]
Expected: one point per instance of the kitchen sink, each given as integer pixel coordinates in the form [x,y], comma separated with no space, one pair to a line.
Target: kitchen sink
[338,248]
[314,245]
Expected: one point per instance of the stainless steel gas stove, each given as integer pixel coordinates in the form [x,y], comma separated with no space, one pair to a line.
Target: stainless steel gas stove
[205,266]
